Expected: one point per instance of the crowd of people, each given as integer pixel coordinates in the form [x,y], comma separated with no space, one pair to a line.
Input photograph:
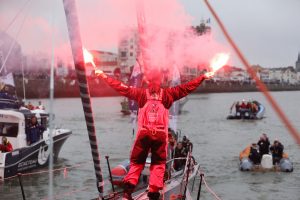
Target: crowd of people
[246,106]
[263,146]
[178,150]
[30,106]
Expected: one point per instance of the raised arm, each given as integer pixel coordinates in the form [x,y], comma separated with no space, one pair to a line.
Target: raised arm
[123,89]
[183,90]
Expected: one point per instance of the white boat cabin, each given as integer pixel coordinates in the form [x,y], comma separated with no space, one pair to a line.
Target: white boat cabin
[13,125]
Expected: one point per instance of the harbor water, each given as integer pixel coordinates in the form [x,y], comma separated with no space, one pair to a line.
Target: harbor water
[217,143]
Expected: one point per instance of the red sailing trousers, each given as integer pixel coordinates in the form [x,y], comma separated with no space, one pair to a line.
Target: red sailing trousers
[156,144]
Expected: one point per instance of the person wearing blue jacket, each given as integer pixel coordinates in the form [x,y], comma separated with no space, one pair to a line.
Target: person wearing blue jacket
[34,131]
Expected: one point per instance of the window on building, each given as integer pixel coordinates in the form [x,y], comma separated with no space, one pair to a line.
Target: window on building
[131,54]
[131,47]
[123,53]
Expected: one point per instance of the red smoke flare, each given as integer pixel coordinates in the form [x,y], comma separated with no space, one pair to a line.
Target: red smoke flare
[218,61]
[88,57]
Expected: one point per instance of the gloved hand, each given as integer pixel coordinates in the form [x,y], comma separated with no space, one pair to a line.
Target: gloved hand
[209,75]
[99,72]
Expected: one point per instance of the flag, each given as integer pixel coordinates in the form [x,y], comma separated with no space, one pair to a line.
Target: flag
[8,97]
[135,81]
[7,80]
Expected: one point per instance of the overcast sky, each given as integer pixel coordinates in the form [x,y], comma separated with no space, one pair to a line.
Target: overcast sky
[267,31]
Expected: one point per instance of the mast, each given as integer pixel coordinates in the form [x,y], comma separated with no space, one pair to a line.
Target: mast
[23,81]
[142,31]
[76,46]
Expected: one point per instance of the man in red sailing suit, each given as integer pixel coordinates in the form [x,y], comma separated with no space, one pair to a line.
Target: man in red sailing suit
[153,117]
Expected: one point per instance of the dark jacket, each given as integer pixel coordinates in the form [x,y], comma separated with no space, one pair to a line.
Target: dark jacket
[254,155]
[169,94]
[264,146]
[179,163]
[34,133]
[277,151]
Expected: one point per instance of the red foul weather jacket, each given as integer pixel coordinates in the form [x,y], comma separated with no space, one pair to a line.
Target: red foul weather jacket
[169,94]
[6,148]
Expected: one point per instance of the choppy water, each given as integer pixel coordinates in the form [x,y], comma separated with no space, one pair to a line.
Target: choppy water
[217,143]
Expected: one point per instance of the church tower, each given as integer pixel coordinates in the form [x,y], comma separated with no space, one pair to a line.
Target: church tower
[298,63]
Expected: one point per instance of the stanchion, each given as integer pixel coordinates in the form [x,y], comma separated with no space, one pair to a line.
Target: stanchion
[199,190]
[110,176]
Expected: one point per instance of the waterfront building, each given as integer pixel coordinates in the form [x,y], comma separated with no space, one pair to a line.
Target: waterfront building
[289,75]
[128,50]
[275,75]
[298,63]
[264,75]
[106,61]
[239,75]
[282,75]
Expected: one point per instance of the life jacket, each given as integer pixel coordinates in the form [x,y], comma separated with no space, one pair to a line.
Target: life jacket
[153,116]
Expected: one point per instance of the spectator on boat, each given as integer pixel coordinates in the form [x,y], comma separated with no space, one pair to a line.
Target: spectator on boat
[254,155]
[30,106]
[264,144]
[254,107]
[34,131]
[248,106]
[180,152]
[243,104]
[41,106]
[171,143]
[6,145]
[187,145]
[277,151]
[237,107]
[153,117]
[170,152]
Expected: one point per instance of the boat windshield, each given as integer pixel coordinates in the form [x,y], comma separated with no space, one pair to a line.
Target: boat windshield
[9,129]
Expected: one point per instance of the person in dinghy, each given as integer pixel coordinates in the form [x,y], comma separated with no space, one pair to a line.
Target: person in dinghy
[154,102]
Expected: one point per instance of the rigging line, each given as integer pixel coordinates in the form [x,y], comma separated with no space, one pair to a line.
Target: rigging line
[13,42]
[207,186]
[262,87]
[210,190]
[76,166]
[16,16]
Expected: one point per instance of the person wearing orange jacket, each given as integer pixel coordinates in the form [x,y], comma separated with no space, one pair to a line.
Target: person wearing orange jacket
[153,102]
